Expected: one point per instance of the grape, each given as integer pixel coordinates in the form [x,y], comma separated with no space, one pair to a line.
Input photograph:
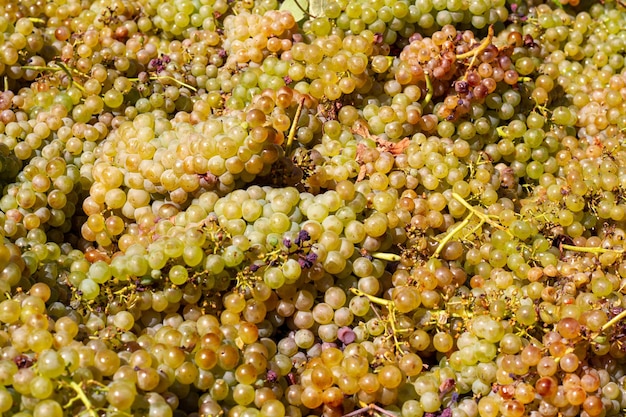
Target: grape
[48,408]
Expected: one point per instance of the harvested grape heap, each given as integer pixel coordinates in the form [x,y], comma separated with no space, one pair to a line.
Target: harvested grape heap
[262,208]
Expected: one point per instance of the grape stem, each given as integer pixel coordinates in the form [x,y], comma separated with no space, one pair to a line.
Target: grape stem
[372,298]
[392,257]
[558,4]
[391,308]
[80,395]
[524,332]
[484,218]
[596,336]
[429,89]
[451,234]
[294,126]
[167,77]
[474,52]
[41,68]
[306,12]
[61,67]
[502,132]
[483,45]
[596,250]
[369,408]
[614,320]
[69,74]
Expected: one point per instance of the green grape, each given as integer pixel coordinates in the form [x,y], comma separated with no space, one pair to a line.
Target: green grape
[50,364]
[99,272]
[9,311]
[113,99]
[48,408]
[6,400]
[178,275]
[41,387]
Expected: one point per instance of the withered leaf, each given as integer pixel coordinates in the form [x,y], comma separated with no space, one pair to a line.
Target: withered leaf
[360,149]
[361,128]
[394,148]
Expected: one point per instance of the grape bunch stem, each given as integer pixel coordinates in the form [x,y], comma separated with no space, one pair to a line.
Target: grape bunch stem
[168,77]
[484,218]
[482,47]
[596,250]
[429,89]
[294,126]
[391,308]
[474,52]
[614,320]
[61,67]
[81,396]
[369,409]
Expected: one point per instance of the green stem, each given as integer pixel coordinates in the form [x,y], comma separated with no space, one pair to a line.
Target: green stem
[614,320]
[306,12]
[369,409]
[80,395]
[294,126]
[384,256]
[451,234]
[61,67]
[558,4]
[485,217]
[394,331]
[391,308]
[475,228]
[596,250]
[474,52]
[69,75]
[65,69]
[429,90]
[502,131]
[39,68]
[372,298]
[168,77]
[486,42]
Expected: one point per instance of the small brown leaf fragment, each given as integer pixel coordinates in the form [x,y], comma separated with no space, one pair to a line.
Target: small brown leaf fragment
[446,386]
[362,172]
[394,148]
[360,150]
[361,128]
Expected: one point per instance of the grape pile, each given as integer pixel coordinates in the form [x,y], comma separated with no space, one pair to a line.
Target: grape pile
[260,208]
